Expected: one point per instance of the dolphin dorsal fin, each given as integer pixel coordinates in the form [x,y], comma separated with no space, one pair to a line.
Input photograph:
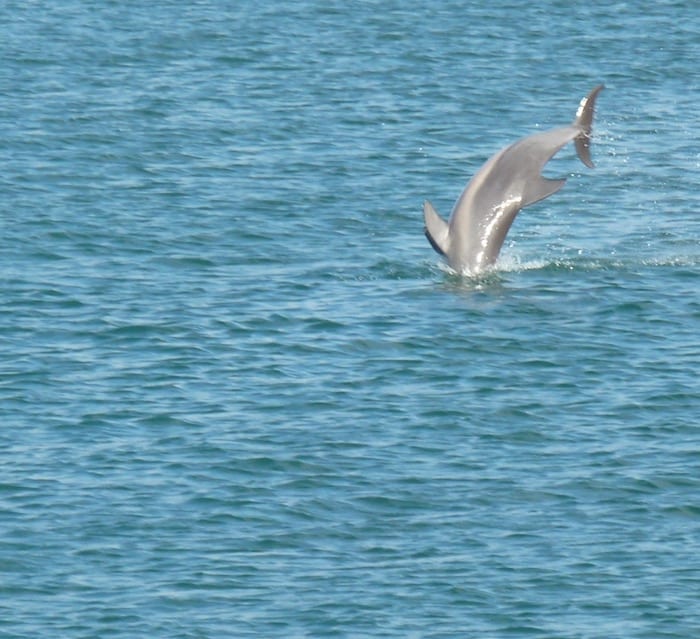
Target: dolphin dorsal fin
[539,189]
[436,229]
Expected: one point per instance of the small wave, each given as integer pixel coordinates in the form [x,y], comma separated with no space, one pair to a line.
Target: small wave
[673,260]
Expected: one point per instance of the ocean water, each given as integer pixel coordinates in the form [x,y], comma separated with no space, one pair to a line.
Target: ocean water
[239,394]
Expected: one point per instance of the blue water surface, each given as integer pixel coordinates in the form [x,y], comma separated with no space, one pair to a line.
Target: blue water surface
[240,395]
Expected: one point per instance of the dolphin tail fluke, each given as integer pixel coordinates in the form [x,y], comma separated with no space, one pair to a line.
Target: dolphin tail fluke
[436,229]
[584,121]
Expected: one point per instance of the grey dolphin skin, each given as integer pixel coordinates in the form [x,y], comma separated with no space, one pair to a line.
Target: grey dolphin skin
[508,182]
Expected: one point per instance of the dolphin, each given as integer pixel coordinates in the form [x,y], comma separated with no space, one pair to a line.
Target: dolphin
[508,182]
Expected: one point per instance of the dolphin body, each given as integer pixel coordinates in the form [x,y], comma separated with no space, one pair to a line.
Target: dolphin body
[508,182]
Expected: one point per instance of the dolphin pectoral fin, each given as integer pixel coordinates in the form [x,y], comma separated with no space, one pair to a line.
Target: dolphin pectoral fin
[584,121]
[436,229]
[537,190]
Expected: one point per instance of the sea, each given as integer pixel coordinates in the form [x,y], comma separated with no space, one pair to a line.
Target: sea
[240,394]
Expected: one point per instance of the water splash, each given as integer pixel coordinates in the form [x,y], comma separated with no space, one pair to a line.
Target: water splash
[515,264]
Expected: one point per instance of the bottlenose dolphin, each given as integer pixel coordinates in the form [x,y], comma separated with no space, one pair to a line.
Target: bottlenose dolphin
[508,182]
